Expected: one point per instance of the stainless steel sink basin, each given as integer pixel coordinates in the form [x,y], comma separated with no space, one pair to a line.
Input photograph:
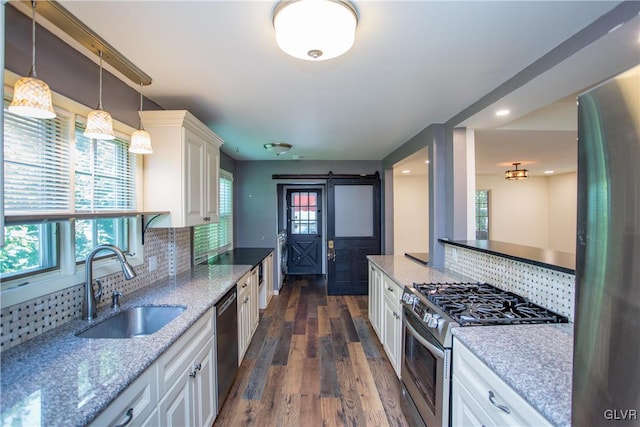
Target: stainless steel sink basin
[134,322]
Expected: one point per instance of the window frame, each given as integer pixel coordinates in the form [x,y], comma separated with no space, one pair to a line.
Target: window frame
[69,273]
[487,216]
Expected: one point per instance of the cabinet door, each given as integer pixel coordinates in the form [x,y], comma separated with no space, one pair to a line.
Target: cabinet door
[176,408]
[254,303]
[374,300]
[211,183]
[194,179]
[204,387]
[465,410]
[392,328]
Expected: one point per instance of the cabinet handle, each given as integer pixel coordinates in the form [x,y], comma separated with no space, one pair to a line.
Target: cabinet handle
[396,315]
[389,288]
[244,286]
[246,299]
[193,374]
[198,367]
[503,408]
[129,418]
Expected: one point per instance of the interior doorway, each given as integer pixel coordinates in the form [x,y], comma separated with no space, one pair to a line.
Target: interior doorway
[304,231]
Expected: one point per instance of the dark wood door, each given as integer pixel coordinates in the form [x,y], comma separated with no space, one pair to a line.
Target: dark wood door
[353,232]
[304,231]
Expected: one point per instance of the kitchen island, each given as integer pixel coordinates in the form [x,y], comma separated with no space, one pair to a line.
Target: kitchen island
[58,379]
[534,360]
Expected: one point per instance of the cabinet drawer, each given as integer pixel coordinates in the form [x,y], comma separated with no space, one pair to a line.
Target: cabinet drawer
[140,398]
[490,392]
[392,292]
[180,355]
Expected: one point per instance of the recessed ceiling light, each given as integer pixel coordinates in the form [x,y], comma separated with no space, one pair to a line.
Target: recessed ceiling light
[426,161]
[503,112]
[406,171]
[548,172]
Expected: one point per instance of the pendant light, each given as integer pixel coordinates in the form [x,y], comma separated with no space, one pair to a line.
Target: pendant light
[99,122]
[31,96]
[516,174]
[140,139]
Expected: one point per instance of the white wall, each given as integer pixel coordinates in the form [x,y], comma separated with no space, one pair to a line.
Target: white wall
[563,205]
[410,214]
[539,211]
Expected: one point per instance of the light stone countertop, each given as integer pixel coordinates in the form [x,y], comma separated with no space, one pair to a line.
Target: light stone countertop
[535,360]
[58,379]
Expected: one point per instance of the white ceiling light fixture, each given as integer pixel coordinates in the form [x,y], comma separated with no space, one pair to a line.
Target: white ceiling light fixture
[99,122]
[501,113]
[140,139]
[315,30]
[277,147]
[32,96]
[516,174]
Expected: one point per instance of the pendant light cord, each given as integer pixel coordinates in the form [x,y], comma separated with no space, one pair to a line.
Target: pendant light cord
[141,85]
[100,93]
[32,73]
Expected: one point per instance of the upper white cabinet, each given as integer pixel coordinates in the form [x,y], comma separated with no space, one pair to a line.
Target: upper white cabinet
[182,174]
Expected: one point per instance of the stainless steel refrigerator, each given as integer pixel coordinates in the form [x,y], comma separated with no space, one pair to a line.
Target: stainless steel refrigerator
[606,359]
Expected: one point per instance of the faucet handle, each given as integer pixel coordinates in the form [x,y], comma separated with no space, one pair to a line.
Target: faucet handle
[98,294]
[115,299]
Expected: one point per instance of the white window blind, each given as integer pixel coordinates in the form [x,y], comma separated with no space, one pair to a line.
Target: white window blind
[37,167]
[104,174]
[213,239]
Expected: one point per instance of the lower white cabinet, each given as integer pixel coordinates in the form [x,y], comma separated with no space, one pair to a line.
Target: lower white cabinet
[178,389]
[481,398]
[392,322]
[266,288]
[134,404]
[375,297]
[248,311]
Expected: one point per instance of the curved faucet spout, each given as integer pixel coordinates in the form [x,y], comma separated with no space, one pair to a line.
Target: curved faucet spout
[89,303]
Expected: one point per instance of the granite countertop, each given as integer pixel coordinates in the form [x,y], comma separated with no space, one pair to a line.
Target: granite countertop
[405,271]
[248,256]
[59,379]
[535,360]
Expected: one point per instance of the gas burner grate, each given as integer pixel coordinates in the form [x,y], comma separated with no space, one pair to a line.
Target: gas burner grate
[484,304]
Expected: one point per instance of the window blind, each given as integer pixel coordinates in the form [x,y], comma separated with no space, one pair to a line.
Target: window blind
[37,167]
[105,173]
[213,239]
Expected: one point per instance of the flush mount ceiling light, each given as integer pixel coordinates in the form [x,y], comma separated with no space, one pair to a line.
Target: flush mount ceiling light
[315,30]
[99,122]
[277,147]
[31,96]
[516,174]
[140,139]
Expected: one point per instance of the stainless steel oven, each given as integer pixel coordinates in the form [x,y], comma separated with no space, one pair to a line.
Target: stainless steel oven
[426,372]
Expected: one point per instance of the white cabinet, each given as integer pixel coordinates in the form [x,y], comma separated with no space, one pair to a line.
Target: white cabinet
[392,322]
[266,288]
[248,311]
[182,174]
[178,389]
[134,404]
[375,298]
[481,398]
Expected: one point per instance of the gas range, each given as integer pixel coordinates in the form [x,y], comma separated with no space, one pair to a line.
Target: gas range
[442,306]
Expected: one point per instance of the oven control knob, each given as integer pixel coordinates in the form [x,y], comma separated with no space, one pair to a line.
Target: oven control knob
[426,318]
[433,321]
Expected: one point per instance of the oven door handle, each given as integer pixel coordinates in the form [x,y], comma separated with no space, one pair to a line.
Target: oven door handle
[432,348]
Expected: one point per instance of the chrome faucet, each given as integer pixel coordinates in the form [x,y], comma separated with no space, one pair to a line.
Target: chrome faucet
[89,303]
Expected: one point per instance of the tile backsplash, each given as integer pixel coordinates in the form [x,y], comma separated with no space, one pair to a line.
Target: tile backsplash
[551,289]
[21,322]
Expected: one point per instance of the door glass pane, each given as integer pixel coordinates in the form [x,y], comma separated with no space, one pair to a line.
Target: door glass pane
[354,210]
[304,212]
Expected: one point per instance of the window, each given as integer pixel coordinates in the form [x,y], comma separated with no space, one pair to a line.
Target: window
[213,239]
[304,212]
[482,214]
[51,168]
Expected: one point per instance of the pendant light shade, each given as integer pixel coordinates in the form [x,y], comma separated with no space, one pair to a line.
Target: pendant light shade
[315,30]
[99,122]
[140,139]
[32,96]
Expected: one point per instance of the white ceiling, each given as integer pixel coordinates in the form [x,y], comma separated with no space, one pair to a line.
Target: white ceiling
[413,63]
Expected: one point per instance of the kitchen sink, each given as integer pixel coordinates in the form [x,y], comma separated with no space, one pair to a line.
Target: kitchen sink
[134,322]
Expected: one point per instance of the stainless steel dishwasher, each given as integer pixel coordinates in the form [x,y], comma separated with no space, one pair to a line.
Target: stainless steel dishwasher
[226,343]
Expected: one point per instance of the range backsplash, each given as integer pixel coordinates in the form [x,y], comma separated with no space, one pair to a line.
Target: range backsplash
[553,290]
[24,321]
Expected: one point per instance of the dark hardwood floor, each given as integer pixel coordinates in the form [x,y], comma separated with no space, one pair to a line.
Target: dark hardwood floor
[314,361]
